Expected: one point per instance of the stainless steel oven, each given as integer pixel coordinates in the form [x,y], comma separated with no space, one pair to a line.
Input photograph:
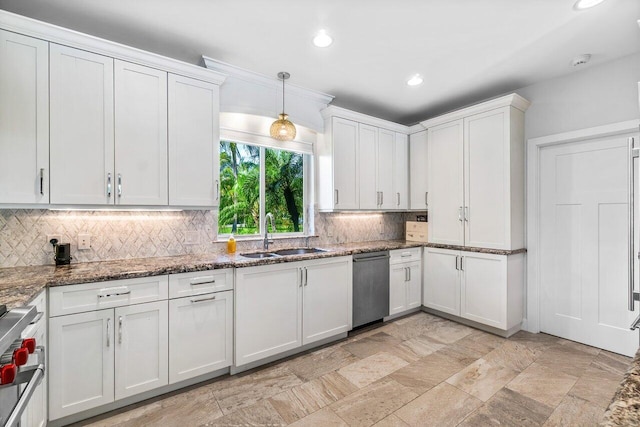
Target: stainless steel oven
[22,362]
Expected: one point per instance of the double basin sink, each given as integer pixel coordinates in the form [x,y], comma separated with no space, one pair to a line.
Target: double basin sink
[282,252]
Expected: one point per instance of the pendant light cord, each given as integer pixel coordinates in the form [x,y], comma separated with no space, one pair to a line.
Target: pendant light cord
[283,94]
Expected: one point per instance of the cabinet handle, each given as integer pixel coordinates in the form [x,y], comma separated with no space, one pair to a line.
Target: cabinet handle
[217,189]
[337,198]
[116,294]
[460,214]
[42,181]
[398,198]
[381,198]
[305,277]
[406,275]
[466,213]
[194,300]
[301,277]
[109,185]
[426,198]
[120,329]
[457,262]
[409,270]
[119,185]
[201,280]
[461,261]
[405,255]
[109,332]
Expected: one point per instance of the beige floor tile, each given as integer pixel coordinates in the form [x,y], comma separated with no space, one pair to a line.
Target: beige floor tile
[373,403]
[508,408]
[391,421]
[372,344]
[543,384]
[538,343]
[566,359]
[578,346]
[449,332]
[513,355]
[320,362]
[596,386]
[464,356]
[258,414]
[300,401]
[368,370]
[422,345]
[612,362]
[426,373]
[443,405]
[481,342]
[251,388]
[573,411]
[323,418]
[482,379]
[416,326]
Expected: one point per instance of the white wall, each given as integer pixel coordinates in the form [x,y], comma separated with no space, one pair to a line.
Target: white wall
[594,96]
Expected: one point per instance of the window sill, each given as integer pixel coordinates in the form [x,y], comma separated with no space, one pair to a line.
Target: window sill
[257,238]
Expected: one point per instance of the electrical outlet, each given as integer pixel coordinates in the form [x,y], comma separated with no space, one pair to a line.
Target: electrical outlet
[84,241]
[58,237]
[191,238]
[381,226]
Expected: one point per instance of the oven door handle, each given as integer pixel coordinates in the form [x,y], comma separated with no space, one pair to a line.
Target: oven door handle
[33,383]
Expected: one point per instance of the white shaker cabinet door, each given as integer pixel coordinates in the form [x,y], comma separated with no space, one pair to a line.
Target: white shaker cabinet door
[418,179]
[367,155]
[202,322]
[81,350]
[327,287]
[268,312]
[442,280]
[398,277]
[385,163]
[24,119]
[194,140]
[484,288]
[81,121]
[401,172]
[140,135]
[414,285]
[445,166]
[141,340]
[346,191]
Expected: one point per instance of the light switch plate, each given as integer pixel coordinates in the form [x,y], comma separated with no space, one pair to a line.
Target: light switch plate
[84,241]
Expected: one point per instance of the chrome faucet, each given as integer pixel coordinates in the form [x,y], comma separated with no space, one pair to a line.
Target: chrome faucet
[268,216]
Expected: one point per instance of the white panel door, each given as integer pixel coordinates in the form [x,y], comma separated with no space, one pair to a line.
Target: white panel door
[385,163]
[345,164]
[268,312]
[483,288]
[398,278]
[194,141]
[441,280]
[24,119]
[583,243]
[367,164]
[445,171]
[142,351]
[486,180]
[401,172]
[140,135]
[205,323]
[81,348]
[414,285]
[81,127]
[418,176]
[327,304]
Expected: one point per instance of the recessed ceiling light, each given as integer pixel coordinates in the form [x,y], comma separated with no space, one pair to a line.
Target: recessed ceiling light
[586,4]
[581,60]
[415,80]
[322,39]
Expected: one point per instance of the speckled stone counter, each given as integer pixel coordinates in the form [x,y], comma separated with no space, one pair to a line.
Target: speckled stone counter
[19,285]
[624,409]
[479,250]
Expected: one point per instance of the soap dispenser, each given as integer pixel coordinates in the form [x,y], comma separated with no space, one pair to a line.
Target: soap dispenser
[231,245]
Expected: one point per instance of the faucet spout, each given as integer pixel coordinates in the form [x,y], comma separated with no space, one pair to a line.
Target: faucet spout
[268,217]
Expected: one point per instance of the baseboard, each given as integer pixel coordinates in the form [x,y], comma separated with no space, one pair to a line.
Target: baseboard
[490,329]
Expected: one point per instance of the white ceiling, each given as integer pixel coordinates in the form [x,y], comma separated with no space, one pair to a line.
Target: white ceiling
[467,50]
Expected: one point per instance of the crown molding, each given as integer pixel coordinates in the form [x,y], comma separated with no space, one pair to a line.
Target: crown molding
[64,36]
[333,111]
[416,128]
[511,100]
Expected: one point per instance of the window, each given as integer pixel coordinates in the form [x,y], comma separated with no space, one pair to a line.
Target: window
[255,180]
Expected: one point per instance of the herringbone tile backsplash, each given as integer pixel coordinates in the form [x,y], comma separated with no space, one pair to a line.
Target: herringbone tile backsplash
[119,235]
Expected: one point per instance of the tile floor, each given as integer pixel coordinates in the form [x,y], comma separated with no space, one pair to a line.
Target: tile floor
[420,370]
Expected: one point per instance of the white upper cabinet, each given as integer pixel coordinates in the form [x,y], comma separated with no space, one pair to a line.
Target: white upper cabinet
[418,167]
[140,135]
[81,134]
[476,175]
[401,172]
[24,119]
[361,163]
[194,138]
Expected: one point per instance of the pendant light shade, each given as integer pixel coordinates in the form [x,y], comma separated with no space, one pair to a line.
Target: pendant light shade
[282,129]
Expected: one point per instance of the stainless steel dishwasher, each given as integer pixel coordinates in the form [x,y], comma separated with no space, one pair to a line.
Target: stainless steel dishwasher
[370,287]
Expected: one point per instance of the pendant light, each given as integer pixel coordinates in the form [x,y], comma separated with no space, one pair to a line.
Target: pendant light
[282,129]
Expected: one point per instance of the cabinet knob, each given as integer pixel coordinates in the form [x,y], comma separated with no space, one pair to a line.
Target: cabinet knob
[8,373]
[20,356]
[29,344]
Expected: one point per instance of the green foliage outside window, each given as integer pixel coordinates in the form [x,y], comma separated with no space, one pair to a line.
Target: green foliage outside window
[240,189]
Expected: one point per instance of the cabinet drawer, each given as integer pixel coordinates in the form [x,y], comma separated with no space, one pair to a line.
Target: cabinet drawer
[412,236]
[200,282]
[405,255]
[115,293]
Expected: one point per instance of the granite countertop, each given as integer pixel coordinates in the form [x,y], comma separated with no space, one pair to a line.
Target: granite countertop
[19,285]
[478,250]
[624,409]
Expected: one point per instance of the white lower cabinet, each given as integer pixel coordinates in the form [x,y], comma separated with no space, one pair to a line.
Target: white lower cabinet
[405,280]
[270,301]
[200,335]
[484,288]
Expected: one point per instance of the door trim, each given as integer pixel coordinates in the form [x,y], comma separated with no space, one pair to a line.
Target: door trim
[531,321]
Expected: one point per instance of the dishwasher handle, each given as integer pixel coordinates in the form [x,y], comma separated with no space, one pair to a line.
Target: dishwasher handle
[373,258]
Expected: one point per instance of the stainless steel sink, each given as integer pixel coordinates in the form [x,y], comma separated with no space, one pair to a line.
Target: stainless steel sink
[299,251]
[259,255]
